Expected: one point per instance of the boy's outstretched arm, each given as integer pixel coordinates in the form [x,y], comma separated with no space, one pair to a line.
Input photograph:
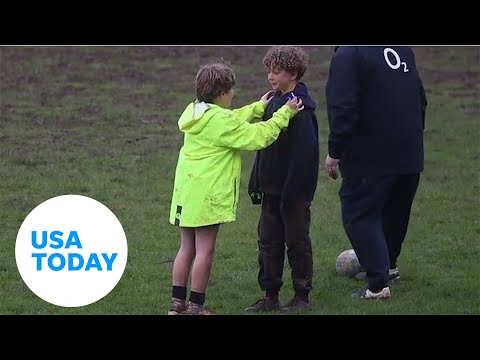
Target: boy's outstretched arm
[254,111]
[231,131]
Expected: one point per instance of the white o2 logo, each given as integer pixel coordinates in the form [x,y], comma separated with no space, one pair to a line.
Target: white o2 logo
[398,62]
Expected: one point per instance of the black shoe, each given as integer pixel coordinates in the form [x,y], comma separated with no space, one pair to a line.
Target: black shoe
[264,304]
[393,274]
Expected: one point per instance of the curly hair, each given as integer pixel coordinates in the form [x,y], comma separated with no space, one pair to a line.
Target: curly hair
[292,59]
[212,80]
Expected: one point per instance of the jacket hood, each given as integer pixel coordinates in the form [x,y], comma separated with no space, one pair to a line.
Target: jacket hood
[196,116]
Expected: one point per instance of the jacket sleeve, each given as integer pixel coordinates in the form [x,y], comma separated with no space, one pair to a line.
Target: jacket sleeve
[423,96]
[233,132]
[342,99]
[423,101]
[304,143]
[251,112]
[253,188]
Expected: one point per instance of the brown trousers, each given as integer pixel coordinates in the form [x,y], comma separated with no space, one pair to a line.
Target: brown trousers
[283,225]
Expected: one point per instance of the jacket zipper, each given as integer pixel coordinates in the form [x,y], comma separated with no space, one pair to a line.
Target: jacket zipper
[234,191]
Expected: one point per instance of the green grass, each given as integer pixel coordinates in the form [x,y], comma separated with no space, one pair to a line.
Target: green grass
[101,122]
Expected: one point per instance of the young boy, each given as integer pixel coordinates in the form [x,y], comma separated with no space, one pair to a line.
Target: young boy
[284,180]
[207,178]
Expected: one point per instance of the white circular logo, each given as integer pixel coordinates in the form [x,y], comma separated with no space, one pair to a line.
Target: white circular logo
[71,250]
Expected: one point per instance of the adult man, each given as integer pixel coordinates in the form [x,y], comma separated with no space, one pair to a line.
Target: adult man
[376,111]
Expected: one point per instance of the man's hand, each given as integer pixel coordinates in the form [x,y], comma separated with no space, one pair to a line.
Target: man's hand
[332,167]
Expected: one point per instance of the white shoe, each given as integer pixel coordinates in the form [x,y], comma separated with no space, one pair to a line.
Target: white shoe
[384,294]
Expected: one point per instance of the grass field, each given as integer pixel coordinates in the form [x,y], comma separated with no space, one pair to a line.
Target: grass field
[102,122]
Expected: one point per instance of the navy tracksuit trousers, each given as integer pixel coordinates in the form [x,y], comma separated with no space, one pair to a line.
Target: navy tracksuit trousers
[375,214]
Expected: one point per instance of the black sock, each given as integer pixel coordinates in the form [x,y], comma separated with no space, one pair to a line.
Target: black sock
[302,294]
[179,292]
[272,295]
[197,298]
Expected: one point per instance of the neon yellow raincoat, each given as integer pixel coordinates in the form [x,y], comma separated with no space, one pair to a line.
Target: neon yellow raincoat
[207,177]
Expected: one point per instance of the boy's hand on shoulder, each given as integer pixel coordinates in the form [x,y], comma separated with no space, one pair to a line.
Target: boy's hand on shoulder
[295,104]
[267,97]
